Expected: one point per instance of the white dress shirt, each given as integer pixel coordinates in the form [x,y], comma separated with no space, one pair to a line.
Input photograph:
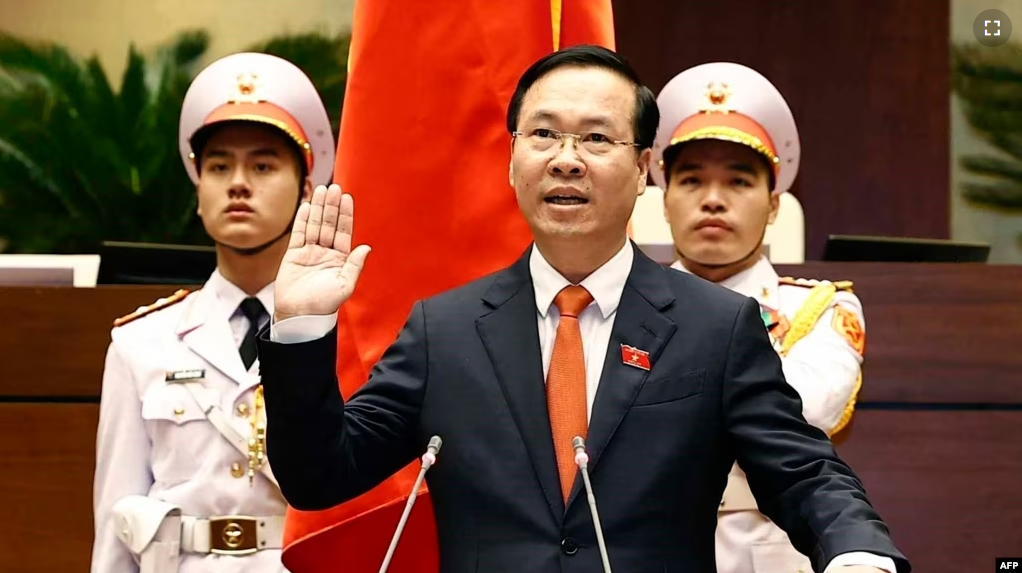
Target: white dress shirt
[596,322]
[230,297]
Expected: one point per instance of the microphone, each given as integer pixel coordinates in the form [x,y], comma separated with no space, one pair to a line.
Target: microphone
[582,461]
[428,459]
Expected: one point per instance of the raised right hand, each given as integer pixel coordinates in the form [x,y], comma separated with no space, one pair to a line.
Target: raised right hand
[319,269]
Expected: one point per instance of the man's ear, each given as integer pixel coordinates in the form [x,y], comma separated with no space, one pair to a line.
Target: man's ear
[775,207]
[307,189]
[645,159]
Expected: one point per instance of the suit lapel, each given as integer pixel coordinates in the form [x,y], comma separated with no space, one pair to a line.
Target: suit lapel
[639,323]
[510,336]
[209,337]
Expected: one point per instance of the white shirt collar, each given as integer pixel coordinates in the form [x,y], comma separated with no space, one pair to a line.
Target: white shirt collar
[605,283]
[229,295]
[758,281]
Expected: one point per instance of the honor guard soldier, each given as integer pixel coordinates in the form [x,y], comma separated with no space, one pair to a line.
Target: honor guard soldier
[727,148]
[182,481]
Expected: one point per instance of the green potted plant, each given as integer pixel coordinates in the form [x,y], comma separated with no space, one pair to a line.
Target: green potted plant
[82,162]
[989,83]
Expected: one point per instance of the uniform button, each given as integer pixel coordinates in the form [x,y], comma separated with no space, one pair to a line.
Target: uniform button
[125,531]
[569,546]
[236,470]
[179,411]
[242,410]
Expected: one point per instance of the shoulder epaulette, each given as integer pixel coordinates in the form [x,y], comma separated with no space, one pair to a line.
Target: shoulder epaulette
[843,285]
[158,305]
[810,283]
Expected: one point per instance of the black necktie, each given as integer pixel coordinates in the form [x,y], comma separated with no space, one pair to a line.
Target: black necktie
[253,311]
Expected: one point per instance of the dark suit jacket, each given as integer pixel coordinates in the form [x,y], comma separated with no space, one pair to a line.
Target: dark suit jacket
[467,367]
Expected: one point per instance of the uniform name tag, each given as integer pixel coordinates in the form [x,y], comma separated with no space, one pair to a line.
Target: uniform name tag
[185,375]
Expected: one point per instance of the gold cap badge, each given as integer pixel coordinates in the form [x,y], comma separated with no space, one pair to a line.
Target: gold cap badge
[717,94]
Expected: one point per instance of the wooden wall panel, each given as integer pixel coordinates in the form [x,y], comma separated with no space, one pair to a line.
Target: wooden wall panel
[936,333]
[54,339]
[48,453]
[947,484]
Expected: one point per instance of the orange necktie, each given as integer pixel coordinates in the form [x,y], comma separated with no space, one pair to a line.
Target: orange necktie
[566,383]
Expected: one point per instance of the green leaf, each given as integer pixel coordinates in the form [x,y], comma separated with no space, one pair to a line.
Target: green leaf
[995,167]
[1001,196]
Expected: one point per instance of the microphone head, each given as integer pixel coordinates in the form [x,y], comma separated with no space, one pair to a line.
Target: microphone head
[581,457]
[432,449]
[434,444]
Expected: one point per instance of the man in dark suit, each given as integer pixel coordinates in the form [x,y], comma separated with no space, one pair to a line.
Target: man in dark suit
[669,378]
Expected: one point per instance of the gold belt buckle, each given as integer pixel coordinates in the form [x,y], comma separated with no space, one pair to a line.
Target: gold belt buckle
[233,535]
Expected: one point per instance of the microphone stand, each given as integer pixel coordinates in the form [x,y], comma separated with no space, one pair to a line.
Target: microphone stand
[582,460]
[428,459]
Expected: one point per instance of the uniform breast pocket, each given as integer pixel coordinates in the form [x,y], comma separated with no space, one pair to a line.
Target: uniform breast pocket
[179,431]
[668,388]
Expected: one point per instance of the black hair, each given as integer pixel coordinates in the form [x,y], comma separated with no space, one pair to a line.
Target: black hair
[646,117]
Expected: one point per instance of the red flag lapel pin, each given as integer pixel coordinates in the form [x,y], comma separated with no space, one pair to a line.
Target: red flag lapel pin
[634,357]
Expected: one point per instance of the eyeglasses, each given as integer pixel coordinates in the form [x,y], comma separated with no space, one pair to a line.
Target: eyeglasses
[543,140]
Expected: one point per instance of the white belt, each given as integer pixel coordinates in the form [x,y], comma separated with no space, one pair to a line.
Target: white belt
[231,534]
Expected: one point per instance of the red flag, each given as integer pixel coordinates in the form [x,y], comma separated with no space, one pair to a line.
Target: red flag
[424,151]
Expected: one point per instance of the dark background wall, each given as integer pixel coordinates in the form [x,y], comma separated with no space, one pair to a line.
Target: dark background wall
[867,81]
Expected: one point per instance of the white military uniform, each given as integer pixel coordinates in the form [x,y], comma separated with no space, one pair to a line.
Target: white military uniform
[817,327]
[182,482]
[154,438]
